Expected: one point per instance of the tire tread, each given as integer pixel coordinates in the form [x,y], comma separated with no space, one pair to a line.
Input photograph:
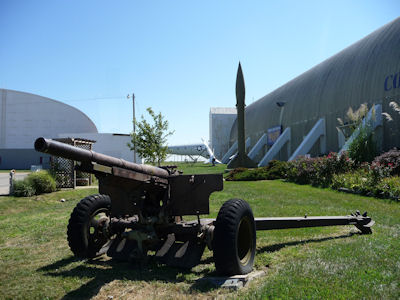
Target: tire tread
[81,214]
[224,242]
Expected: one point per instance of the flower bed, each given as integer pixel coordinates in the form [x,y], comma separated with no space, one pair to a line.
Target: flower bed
[379,178]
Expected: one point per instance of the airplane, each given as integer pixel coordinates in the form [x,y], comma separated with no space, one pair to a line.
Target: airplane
[193,150]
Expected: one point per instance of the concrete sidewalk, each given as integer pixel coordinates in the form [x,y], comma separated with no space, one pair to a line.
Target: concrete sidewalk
[5,181]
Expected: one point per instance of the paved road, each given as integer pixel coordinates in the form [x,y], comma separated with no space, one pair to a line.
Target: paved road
[5,181]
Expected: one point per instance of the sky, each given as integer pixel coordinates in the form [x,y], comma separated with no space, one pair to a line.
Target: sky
[178,57]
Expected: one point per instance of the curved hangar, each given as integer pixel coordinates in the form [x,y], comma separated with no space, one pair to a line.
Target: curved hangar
[366,72]
[24,117]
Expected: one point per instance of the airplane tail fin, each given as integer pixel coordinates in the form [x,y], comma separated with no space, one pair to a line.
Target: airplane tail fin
[212,159]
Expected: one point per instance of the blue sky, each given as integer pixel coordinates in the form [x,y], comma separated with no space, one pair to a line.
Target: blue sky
[179,57]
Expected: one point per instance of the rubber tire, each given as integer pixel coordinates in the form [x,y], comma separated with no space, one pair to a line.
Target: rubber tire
[78,226]
[226,242]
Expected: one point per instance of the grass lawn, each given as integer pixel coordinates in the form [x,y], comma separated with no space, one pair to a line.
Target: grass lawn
[330,262]
[198,168]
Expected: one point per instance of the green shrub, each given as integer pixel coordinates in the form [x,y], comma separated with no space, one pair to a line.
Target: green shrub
[232,174]
[244,174]
[389,160]
[42,182]
[389,188]
[364,182]
[23,188]
[318,171]
[34,184]
[352,181]
[360,181]
[363,147]
[274,170]
[301,171]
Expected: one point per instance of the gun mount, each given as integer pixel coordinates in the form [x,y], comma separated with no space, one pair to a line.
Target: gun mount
[140,208]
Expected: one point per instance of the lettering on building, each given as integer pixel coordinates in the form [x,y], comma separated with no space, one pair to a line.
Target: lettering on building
[392,81]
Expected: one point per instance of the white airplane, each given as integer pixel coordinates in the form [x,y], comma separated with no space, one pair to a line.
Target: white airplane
[193,150]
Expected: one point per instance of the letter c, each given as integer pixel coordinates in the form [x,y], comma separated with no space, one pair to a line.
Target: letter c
[386,82]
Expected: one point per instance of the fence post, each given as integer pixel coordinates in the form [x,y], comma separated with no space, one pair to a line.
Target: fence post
[12,174]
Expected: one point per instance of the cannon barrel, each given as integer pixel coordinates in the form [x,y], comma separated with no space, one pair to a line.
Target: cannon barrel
[86,156]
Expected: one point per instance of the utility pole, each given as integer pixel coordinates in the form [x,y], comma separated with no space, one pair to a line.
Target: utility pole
[134,124]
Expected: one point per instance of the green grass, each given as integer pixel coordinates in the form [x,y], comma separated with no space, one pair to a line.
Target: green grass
[321,263]
[198,168]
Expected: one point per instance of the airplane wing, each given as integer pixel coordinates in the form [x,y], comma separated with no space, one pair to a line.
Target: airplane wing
[202,150]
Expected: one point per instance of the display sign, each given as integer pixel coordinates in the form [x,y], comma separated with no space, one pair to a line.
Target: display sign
[273,134]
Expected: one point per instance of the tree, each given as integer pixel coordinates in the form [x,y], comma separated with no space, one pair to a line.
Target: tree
[149,139]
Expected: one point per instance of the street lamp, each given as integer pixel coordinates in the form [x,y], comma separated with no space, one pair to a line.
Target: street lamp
[281,105]
[134,123]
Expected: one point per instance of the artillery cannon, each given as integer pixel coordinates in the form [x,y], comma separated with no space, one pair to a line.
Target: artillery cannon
[139,209]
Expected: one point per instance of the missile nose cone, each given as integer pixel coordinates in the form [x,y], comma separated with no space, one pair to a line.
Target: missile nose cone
[240,88]
[241,159]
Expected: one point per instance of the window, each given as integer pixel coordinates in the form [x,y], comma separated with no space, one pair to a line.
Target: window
[41,160]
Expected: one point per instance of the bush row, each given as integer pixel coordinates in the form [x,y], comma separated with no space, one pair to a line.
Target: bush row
[379,178]
[34,184]
[318,171]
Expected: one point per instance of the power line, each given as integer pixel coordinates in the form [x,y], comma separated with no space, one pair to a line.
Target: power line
[64,101]
[98,98]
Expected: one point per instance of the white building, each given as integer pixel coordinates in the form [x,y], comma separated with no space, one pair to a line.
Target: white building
[221,121]
[25,117]
[112,144]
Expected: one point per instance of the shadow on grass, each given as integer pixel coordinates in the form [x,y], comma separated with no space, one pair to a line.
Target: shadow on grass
[59,264]
[277,247]
[103,272]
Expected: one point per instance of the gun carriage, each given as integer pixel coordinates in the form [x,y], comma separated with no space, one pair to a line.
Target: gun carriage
[140,208]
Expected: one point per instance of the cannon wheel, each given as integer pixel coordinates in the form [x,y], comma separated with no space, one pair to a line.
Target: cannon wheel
[234,242]
[87,226]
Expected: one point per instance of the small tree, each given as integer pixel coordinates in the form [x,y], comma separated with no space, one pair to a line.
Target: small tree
[149,139]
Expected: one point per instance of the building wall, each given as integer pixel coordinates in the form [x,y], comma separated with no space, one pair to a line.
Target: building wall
[111,144]
[25,117]
[366,72]
[22,159]
[106,143]
[221,120]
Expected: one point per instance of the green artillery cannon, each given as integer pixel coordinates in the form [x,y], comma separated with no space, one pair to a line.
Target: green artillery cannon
[139,209]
